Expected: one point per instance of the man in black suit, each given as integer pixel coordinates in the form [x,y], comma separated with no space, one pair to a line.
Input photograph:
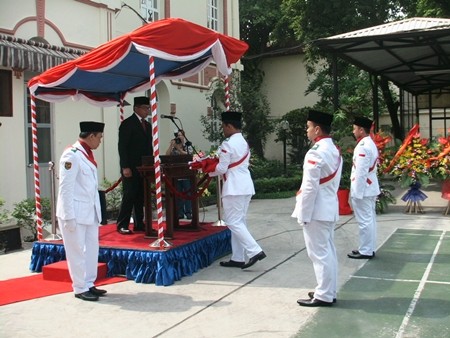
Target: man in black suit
[135,141]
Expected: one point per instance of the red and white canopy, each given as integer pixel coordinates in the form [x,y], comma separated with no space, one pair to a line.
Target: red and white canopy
[105,74]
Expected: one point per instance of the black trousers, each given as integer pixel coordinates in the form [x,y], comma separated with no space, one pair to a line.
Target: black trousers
[132,201]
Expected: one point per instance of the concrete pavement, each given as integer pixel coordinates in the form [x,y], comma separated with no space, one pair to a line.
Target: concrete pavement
[216,301]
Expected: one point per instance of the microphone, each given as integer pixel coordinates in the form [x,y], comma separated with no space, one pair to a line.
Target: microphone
[168,117]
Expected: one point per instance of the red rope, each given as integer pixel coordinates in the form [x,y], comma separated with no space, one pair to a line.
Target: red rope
[192,194]
[114,186]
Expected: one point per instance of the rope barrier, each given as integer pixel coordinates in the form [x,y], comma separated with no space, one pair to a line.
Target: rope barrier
[114,186]
[193,193]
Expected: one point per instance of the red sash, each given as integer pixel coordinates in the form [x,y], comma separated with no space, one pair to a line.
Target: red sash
[330,177]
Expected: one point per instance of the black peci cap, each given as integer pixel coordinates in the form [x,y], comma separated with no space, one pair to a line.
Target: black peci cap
[362,121]
[140,100]
[91,127]
[231,116]
[320,117]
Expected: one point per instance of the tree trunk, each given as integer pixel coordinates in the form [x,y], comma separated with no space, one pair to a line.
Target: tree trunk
[392,108]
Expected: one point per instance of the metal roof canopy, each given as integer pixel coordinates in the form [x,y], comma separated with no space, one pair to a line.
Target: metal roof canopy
[414,53]
[33,56]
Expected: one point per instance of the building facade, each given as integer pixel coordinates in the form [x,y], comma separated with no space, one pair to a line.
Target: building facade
[36,35]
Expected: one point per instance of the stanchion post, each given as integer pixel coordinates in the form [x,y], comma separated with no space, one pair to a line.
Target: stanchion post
[51,169]
[219,222]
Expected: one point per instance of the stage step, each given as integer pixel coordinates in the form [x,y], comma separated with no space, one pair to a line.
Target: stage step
[60,272]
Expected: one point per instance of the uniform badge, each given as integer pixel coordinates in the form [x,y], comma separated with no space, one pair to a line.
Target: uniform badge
[67,165]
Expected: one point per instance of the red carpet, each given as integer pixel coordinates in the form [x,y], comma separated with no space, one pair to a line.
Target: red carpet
[30,287]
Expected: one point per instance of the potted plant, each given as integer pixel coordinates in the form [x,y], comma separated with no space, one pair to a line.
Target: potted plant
[25,214]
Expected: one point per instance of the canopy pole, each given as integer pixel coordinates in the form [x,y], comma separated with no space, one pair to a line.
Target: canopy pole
[227,94]
[219,221]
[37,188]
[121,116]
[160,242]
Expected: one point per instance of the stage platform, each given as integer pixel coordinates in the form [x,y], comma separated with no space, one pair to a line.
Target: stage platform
[131,255]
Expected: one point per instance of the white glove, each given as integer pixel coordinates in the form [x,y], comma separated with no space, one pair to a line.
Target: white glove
[70,225]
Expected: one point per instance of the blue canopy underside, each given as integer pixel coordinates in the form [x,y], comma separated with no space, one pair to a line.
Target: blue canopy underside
[131,72]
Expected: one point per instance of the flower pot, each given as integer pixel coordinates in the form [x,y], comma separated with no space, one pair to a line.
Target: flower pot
[344,206]
[446,190]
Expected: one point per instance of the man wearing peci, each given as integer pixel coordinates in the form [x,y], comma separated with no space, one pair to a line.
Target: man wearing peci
[237,191]
[364,188]
[78,210]
[317,207]
[135,141]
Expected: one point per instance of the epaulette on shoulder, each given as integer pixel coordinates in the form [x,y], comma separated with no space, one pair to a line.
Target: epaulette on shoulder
[73,149]
[315,147]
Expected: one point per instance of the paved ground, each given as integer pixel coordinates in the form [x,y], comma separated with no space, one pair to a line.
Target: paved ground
[261,301]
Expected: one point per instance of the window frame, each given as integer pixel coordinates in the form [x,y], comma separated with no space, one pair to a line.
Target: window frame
[6,107]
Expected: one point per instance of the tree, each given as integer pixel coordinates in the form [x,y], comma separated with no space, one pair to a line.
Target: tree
[311,20]
[258,19]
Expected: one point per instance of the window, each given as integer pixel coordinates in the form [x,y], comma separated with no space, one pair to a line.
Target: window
[43,121]
[6,93]
[213,15]
[149,10]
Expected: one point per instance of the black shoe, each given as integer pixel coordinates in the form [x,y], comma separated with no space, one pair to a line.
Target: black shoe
[232,264]
[311,296]
[87,295]
[360,256]
[97,292]
[313,302]
[138,229]
[189,216]
[254,259]
[355,252]
[123,231]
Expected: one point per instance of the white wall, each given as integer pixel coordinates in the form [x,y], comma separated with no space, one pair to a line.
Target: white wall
[79,24]
[285,83]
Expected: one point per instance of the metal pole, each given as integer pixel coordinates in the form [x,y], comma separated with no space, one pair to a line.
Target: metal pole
[51,169]
[284,154]
[219,222]
[284,126]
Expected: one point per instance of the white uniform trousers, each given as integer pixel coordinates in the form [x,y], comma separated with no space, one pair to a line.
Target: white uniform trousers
[82,249]
[319,240]
[366,217]
[243,245]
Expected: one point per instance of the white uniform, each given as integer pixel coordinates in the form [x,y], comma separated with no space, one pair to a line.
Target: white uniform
[317,209]
[237,191]
[79,214]
[364,189]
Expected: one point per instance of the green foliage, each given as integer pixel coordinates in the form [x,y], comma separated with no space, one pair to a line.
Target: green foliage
[277,184]
[296,137]
[385,198]
[255,106]
[261,168]
[113,197]
[433,8]
[262,26]
[4,214]
[25,214]
[211,124]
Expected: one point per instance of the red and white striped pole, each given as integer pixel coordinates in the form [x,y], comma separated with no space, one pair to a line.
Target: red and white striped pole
[227,94]
[37,188]
[121,116]
[160,242]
